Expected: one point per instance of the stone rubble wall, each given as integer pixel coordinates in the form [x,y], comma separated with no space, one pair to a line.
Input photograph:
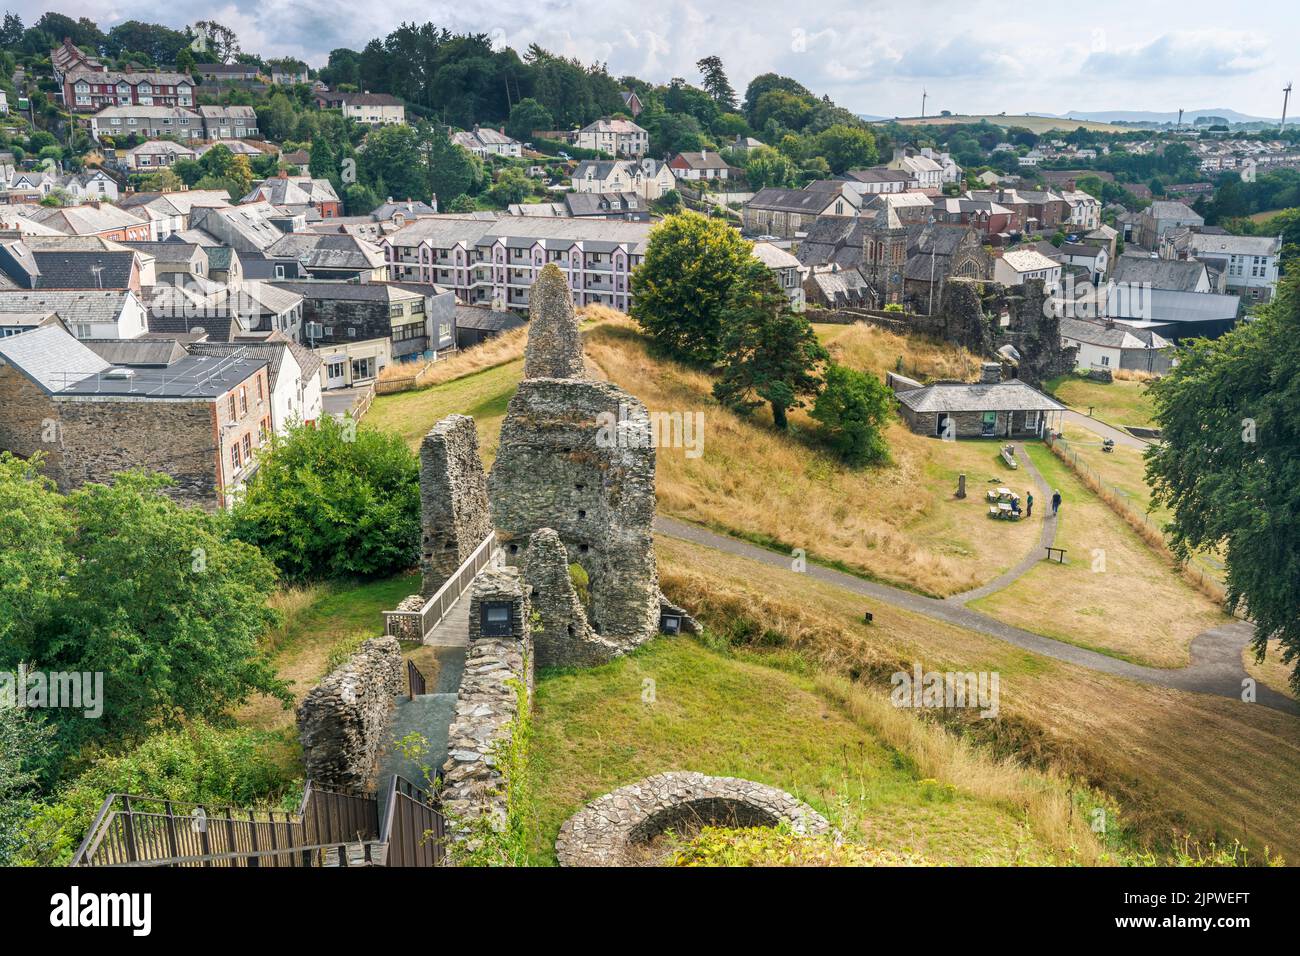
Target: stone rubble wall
[343,723]
[454,516]
[554,347]
[486,704]
[575,456]
[605,831]
[562,636]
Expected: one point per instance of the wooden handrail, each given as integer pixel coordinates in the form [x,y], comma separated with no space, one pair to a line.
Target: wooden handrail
[435,609]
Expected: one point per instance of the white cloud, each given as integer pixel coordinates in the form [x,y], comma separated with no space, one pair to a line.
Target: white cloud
[1189,53]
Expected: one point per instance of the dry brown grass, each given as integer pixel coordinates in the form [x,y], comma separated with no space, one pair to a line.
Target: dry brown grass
[1177,762]
[899,523]
[1041,797]
[1130,507]
[495,351]
[1133,375]
[1270,672]
[871,348]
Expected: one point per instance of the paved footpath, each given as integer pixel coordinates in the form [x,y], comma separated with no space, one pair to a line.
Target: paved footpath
[1215,666]
[1098,427]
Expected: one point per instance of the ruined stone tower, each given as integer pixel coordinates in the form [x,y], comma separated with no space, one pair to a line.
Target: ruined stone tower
[454,516]
[576,457]
[554,345]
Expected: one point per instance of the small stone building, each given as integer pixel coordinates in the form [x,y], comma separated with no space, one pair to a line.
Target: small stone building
[989,408]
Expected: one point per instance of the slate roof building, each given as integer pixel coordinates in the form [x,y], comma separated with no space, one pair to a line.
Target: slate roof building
[199,419]
[1112,345]
[989,408]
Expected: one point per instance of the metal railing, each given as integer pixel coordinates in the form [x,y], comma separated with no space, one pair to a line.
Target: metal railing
[415,683]
[415,830]
[150,831]
[416,625]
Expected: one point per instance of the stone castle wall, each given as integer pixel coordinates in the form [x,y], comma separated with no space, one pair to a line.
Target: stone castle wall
[453,500]
[575,456]
[343,723]
[487,704]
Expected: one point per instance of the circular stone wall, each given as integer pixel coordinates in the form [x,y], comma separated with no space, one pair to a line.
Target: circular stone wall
[605,831]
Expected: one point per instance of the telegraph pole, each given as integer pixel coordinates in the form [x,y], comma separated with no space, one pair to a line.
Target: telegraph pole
[924,97]
[1286,95]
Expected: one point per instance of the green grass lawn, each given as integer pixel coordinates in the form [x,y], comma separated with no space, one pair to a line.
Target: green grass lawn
[483,395]
[595,730]
[1114,594]
[1116,403]
[322,623]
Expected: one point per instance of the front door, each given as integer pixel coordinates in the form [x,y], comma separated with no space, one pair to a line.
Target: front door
[941,425]
[989,424]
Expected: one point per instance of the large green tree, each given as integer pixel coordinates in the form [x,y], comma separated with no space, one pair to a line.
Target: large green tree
[334,500]
[526,116]
[771,353]
[1228,467]
[716,82]
[122,581]
[681,287]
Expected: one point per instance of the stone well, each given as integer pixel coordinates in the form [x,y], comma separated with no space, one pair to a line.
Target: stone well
[607,831]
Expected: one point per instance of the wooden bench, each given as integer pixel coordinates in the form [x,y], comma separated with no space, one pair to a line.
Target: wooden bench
[1059,551]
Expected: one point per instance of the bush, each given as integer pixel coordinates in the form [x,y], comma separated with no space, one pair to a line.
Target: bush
[852,409]
[334,500]
[196,764]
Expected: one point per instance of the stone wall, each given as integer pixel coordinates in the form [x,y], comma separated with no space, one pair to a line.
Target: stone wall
[562,636]
[576,456]
[343,723]
[29,421]
[102,438]
[554,347]
[607,831]
[453,500]
[487,704]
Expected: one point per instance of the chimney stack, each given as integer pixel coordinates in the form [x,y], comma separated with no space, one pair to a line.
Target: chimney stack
[990,373]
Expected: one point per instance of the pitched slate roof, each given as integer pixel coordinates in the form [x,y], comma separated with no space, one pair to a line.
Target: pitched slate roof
[142,352]
[806,201]
[486,320]
[50,358]
[84,305]
[1012,396]
[327,251]
[1178,275]
[1112,336]
[83,270]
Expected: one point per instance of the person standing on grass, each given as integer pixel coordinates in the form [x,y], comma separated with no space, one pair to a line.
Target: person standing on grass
[1029,504]
[1056,501]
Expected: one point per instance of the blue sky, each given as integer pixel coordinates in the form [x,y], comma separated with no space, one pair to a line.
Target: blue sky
[872,56]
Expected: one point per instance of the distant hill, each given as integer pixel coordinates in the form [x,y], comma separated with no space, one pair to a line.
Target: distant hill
[1149,116]
[1038,124]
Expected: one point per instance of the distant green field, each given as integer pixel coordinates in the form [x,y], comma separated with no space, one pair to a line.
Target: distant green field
[1036,124]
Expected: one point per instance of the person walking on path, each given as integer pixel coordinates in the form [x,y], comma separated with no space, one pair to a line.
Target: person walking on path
[1029,504]
[1056,501]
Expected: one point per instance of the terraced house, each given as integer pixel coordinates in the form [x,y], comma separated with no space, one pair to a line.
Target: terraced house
[496,261]
[86,90]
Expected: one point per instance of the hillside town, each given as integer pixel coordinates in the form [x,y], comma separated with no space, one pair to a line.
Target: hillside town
[369,425]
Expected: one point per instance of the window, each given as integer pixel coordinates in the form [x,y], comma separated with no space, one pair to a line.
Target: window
[232,407]
[248,446]
[243,401]
[363,368]
[234,457]
[259,388]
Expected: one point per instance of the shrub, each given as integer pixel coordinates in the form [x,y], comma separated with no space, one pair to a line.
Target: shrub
[852,409]
[195,764]
[334,500]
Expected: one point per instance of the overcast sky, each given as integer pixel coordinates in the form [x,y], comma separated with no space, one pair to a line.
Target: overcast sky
[871,56]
